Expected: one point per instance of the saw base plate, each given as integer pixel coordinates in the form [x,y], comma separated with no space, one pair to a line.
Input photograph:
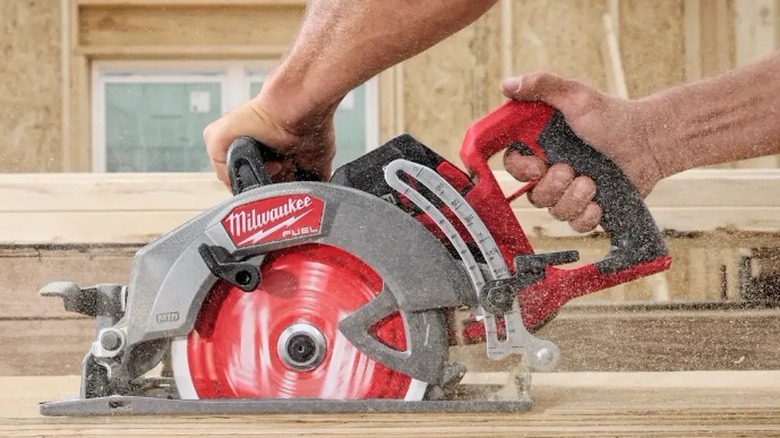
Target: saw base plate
[134,405]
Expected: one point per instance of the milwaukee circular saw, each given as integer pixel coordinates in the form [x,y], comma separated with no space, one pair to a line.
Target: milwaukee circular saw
[342,295]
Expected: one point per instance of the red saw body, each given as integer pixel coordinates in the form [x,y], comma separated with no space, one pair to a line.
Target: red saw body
[323,293]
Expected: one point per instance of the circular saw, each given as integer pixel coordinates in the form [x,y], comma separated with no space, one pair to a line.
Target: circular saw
[342,295]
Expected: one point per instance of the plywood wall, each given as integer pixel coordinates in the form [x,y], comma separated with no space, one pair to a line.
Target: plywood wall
[30,86]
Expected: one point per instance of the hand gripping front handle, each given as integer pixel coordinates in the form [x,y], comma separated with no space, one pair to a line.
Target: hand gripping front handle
[638,248]
[246,158]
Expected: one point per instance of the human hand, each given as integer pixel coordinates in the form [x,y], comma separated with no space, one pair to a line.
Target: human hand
[306,143]
[619,128]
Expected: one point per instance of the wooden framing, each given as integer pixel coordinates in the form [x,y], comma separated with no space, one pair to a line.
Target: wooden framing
[756,36]
[82,45]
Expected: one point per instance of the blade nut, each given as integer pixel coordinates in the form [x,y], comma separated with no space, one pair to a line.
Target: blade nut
[497,297]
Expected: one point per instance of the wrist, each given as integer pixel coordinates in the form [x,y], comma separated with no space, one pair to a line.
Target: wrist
[661,119]
[286,99]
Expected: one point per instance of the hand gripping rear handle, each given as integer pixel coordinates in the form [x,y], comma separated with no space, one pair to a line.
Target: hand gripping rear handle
[638,247]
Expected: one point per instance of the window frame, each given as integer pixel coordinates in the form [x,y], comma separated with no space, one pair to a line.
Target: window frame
[234,76]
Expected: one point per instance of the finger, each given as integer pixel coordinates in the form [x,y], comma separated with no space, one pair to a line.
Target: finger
[575,199]
[524,167]
[543,86]
[588,220]
[551,187]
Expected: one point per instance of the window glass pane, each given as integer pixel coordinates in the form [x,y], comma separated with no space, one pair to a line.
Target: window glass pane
[158,127]
[350,123]
[351,127]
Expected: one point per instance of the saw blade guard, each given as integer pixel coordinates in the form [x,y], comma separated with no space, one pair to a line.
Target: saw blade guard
[174,277]
[637,245]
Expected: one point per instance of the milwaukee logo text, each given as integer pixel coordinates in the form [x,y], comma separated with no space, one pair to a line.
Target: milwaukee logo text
[272,219]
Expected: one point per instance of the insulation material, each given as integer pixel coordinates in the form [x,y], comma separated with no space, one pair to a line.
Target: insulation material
[652,44]
[450,85]
[30,86]
[561,37]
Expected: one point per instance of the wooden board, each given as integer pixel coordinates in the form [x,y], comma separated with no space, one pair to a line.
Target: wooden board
[602,338]
[134,208]
[582,404]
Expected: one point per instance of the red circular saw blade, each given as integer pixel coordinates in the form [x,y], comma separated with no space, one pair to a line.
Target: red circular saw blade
[233,350]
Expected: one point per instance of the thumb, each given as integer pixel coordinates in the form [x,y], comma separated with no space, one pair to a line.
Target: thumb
[541,86]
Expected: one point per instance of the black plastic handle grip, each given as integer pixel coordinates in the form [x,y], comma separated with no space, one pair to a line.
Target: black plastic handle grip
[246,158]
[539,129]
[633,233]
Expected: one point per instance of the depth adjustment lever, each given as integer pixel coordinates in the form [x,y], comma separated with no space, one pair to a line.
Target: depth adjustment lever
[498,295]
[221,263]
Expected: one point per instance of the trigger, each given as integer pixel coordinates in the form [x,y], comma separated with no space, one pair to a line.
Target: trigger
[522,190]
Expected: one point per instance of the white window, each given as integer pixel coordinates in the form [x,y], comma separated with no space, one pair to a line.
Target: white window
[150,116]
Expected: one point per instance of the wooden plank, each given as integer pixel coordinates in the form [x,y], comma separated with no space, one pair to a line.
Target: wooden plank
[98,192]
[574,405]
[168,52]
[699,188]
[200,191]
[137,226]
[603,338]
[65,67]
[756,23]
[611,339]
[112,25]
[190,3]
[27,268]
[134,208]
[40,346]
[692,17]
[26,271]
[142,226]
[613,65]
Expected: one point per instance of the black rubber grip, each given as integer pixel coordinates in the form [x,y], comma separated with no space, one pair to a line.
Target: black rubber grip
[633,233]
[246,160]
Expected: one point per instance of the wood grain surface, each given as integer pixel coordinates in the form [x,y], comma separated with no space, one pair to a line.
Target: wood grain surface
[616,338]
[700,404]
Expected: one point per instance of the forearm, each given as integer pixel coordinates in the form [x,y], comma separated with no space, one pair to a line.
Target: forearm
[729,117]
[343,43]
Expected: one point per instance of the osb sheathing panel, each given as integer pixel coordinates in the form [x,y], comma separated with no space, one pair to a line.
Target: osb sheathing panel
[652,41]
[563,37]
[30,87]
[453,83]
[149,26]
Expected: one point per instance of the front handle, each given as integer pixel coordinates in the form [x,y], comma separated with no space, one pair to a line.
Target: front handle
[246,158]
[535,128]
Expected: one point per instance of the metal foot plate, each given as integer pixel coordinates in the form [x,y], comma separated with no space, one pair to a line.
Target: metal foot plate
[125,405]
